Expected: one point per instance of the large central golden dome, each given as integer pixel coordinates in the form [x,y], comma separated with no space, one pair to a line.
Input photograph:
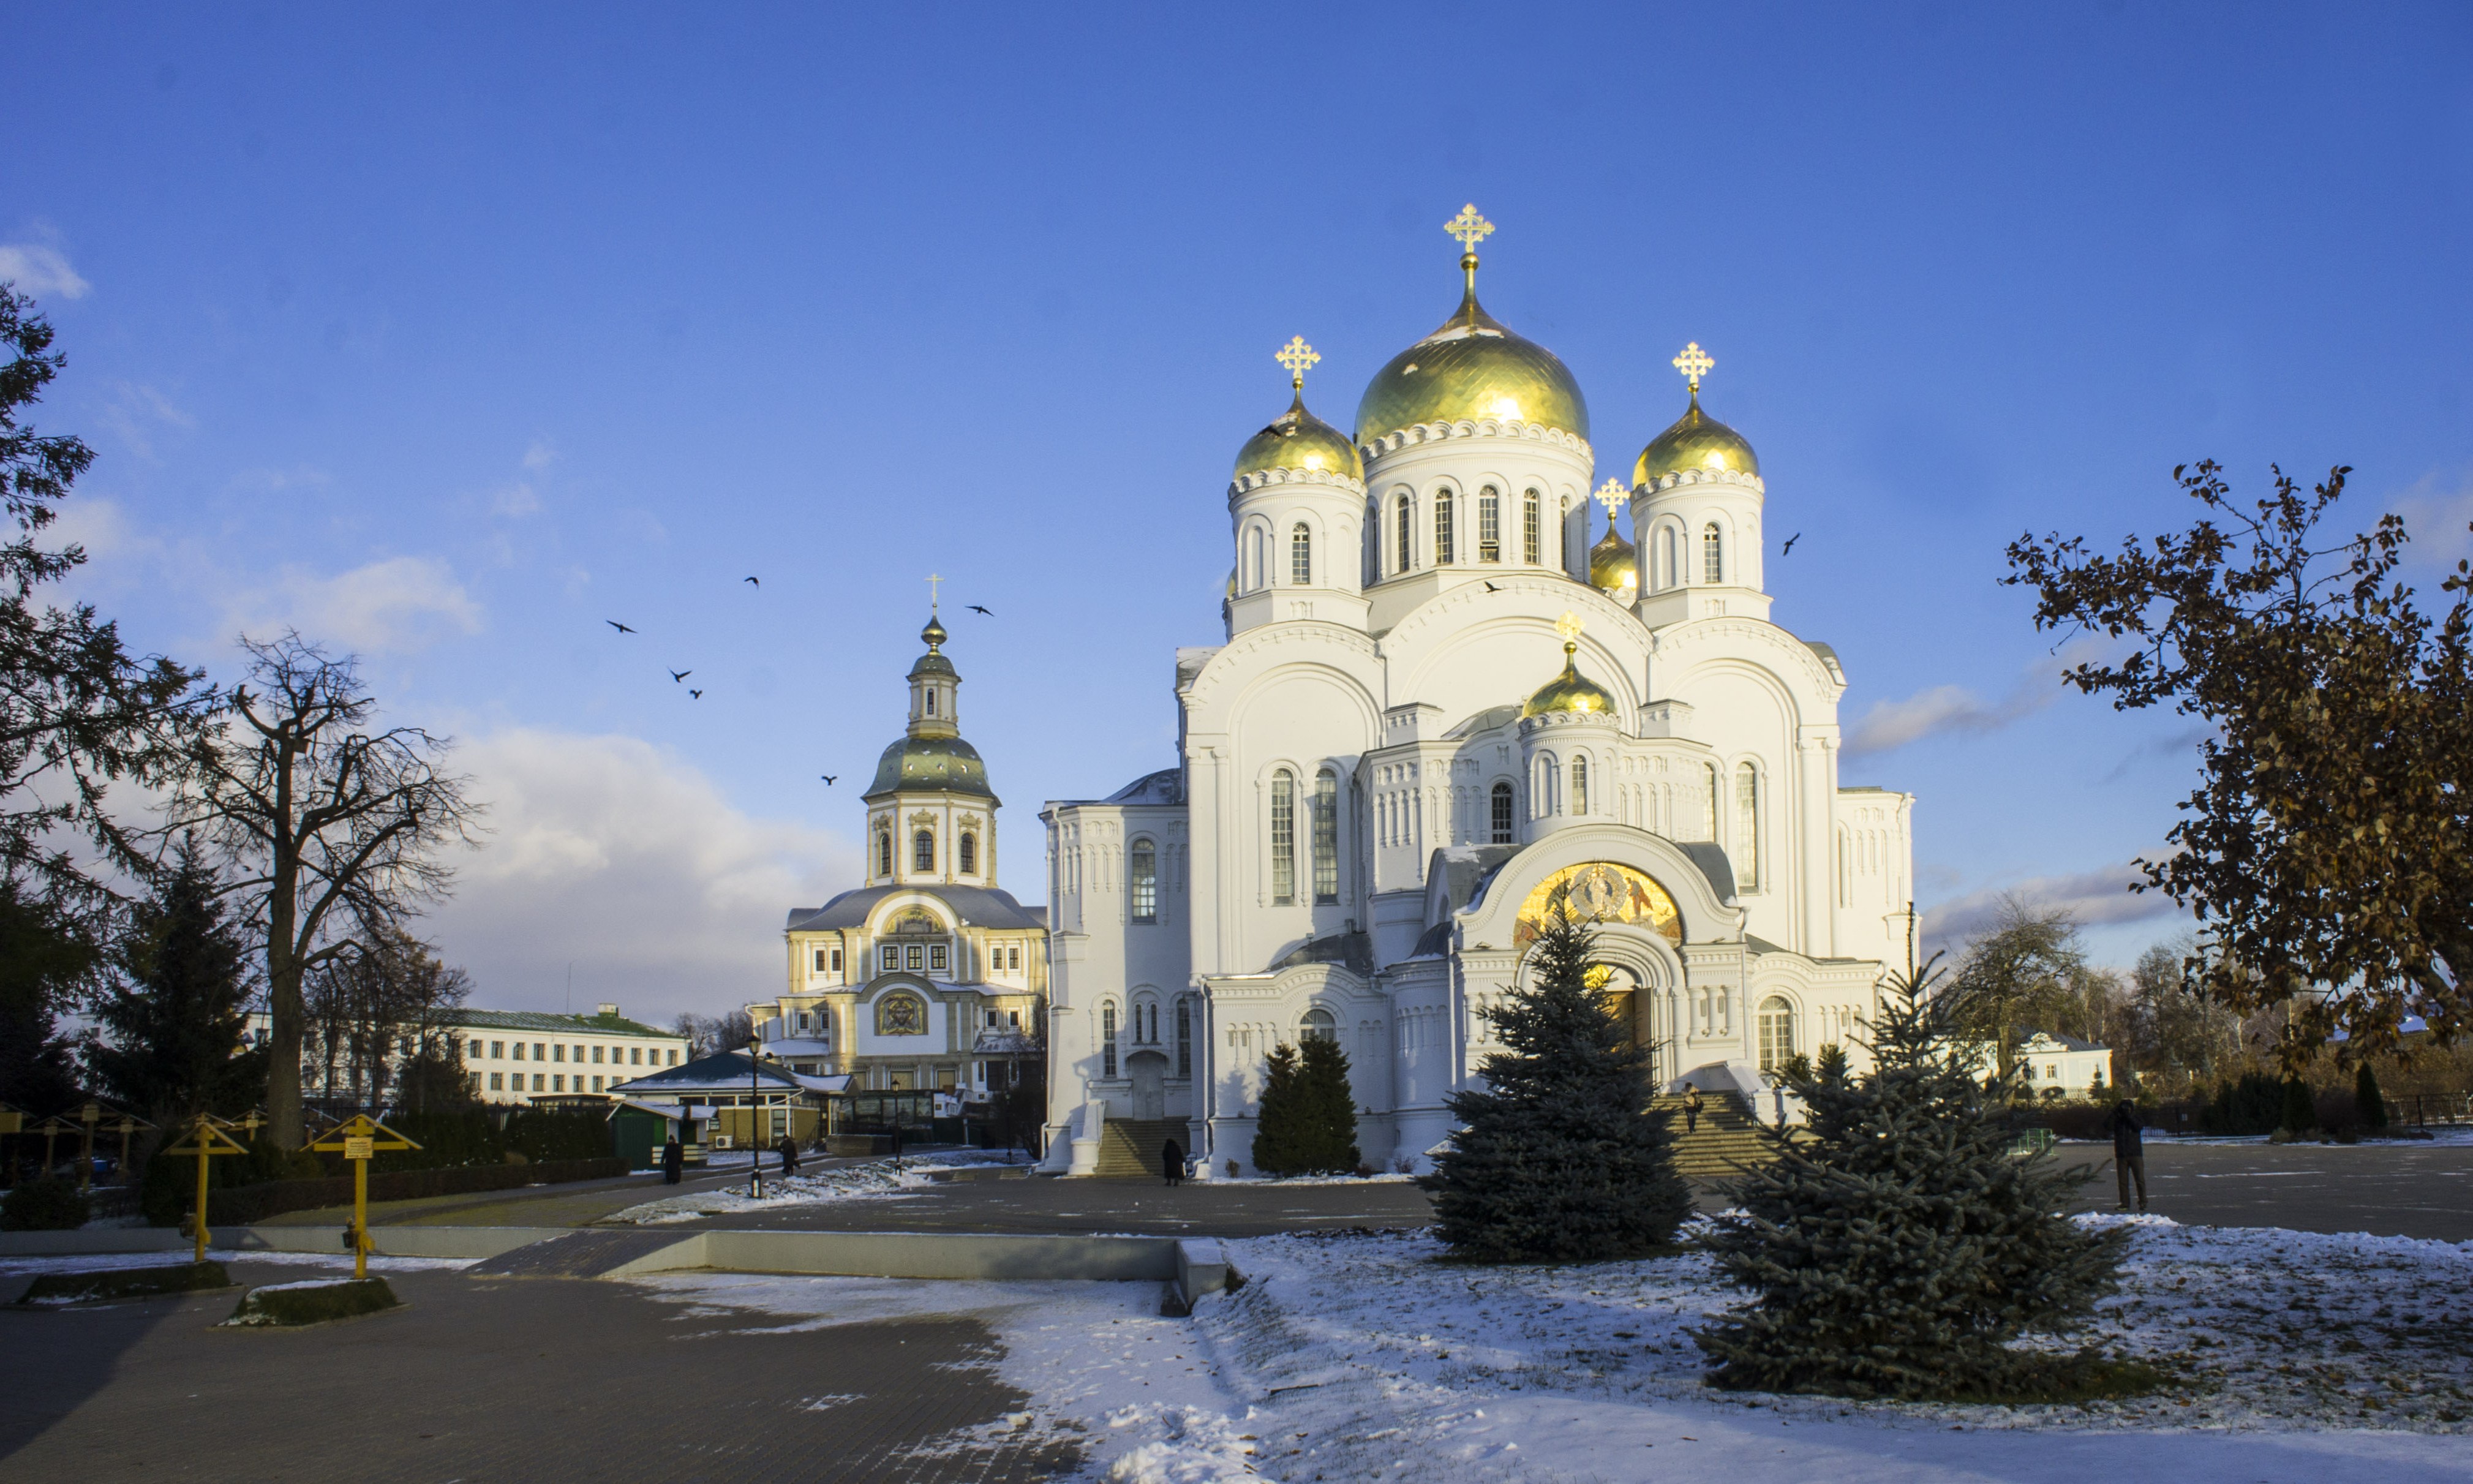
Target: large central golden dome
[1471,367]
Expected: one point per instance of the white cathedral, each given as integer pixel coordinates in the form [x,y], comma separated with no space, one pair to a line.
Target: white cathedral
[1439,714]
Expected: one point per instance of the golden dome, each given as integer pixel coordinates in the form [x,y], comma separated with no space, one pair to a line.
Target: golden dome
[1614,567]
[1298,439]
[1570,691]
[1695,441]
[1472,366]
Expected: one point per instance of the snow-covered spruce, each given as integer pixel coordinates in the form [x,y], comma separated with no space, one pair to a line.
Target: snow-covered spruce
[1561,1159]
[1896,1248]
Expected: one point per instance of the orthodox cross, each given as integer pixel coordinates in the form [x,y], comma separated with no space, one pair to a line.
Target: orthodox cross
[1568,626]
[1693,363]
[1613,494]
[932,581]
[1296,355]
[1469,227]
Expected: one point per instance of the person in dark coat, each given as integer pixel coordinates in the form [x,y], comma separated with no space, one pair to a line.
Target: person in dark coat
[789,1148]
[674,1161]
[2128,1152]
[1691,1109]
[1173,1162]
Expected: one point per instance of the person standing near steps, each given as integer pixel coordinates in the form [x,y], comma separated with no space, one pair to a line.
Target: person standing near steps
[2128,1152]
[1691,1109]
[1173,1162]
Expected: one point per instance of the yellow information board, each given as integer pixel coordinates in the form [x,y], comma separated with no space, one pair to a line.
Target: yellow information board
[358,1139]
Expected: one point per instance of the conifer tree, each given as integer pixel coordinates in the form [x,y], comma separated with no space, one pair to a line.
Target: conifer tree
[2373,1103]
[172,1014]
[1561,1159]
[1308,1124]
[1896,1247]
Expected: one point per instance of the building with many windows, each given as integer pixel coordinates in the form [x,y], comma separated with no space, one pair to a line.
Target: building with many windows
[927,976]
[1441,716]
[509,1057]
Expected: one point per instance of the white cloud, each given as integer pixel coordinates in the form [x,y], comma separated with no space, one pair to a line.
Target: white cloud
[40,271]
[2437,519]
[398,606]
[541,455]
[137,411]
[622,858]
[1890,725]
[2094,897]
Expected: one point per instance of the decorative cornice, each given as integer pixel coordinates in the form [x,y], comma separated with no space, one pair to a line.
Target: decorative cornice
[1315,633]
[1676,478]
[1482,427]
[1247,484]
[1595,719]
[1676,642]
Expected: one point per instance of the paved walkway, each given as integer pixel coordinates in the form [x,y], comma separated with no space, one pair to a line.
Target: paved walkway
[2384,1189]
[525,1381]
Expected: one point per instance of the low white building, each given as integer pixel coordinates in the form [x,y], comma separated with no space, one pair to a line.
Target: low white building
[2059,1066]
[514,1056]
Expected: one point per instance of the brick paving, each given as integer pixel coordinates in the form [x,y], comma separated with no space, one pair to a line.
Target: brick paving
[525,1381]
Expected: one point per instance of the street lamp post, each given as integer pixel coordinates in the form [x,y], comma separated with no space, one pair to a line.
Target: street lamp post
[754,1145]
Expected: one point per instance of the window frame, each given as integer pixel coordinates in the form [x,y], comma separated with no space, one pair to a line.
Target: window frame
[1446,538]
[1141,871]
[1712,555]
[1533,528]
[1323,814]
[923,848]
[1502,820]
[966,854]
[1283,836]
[1489,524]
[1301,556]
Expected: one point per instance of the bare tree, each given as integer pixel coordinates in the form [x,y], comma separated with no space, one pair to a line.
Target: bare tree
[376,1020]
[333,829]
[712,1035]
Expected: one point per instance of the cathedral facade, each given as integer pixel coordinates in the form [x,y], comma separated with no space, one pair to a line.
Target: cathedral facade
[1442,714]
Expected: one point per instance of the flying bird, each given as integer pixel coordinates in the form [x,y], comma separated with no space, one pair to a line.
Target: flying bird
[828,778]
[616,624]
[1790,543]
[975,609]
[698,694]
[1491,587]
[681,675]
[750,580]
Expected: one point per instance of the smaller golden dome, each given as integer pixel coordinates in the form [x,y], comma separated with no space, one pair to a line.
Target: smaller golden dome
[1614,567]
[1570,691]
[1695,441]
[1298,439]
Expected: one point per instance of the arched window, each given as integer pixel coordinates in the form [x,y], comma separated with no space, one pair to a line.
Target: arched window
[1407,535]
[1318,1026]
[1326,836]
[967,854]
[1107,1040]
[1145,857]
[1747,828]
[1501,821]
[1284,837]
[1709,810]
[1580,785]
[1301,556]
[922,851]
[931,700]
[1489,525]
[1529,528]
[1713,554]
[1185,1038]
[1444,548]
[1256,558]
[1545,787]
[1666,558]
[1777,1033]
[884,852]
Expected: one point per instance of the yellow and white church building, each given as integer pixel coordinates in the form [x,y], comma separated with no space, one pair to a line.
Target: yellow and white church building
[1440,712]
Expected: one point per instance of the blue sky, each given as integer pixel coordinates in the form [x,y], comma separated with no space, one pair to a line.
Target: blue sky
[451,333]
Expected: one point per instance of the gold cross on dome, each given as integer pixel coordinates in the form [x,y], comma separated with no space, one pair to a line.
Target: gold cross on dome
[1296,355]
[1693,363]
[932,581]
[1469,227]
[1568,626]
[1614,494]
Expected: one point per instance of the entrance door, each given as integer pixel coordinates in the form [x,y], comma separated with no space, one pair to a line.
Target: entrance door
[1150,1072]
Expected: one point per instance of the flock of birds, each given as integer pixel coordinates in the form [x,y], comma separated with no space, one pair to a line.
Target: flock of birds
[680,676]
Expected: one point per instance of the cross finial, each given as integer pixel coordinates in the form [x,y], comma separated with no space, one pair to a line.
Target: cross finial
[1568,626]
[1469,227]
[932,581]
[1693,363]
[1296,355]
[1613,494]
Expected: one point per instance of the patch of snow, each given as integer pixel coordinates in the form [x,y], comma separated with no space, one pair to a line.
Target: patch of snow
[879,1179]
[98,1262]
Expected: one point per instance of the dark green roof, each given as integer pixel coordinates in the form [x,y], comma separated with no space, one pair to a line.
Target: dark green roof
[931,764]
[534,1020]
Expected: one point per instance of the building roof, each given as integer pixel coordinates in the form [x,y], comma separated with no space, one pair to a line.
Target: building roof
[725,1073]
[976,906]
[534,1020]
[1165,786]
[2027,1033]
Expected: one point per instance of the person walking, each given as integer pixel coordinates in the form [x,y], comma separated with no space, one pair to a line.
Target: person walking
[1173,1162]
[674,1160]
[789,1155]
[1691,1109]
[2128,1152]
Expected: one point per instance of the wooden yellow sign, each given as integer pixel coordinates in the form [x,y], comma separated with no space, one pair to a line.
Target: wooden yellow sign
[358,1139]
[203,1138]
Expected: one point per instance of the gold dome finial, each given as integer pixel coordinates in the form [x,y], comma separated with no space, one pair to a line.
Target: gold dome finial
[1470,228]
[1693,363]
[1296,355]
[1568,626]
[1613,494]
[1571,690]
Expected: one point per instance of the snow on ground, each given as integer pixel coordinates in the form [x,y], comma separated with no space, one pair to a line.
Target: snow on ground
[880,1179]
[96,1263]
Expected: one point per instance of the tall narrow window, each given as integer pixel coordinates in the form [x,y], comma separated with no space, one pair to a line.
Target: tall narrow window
[1777,1033]
[1407,535]
[1301,556]
[1489,525]
[1530,529]
[1253,558]
[1708,802]
[884,852]
[1326,836]
[922,851]
[1501,821]
[967,854]
[1185,1038]
[1284,837]
[931,700]
[1713,554]
[1580,785]
[1747,828]
[1444,546]
[1107,1040]
[1666,558]
[1145,869]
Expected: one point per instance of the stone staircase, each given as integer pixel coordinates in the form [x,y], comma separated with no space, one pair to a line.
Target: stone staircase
[1130,1148]
[1727,1138]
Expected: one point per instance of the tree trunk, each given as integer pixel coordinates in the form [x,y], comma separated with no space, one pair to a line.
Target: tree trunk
[283,967]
